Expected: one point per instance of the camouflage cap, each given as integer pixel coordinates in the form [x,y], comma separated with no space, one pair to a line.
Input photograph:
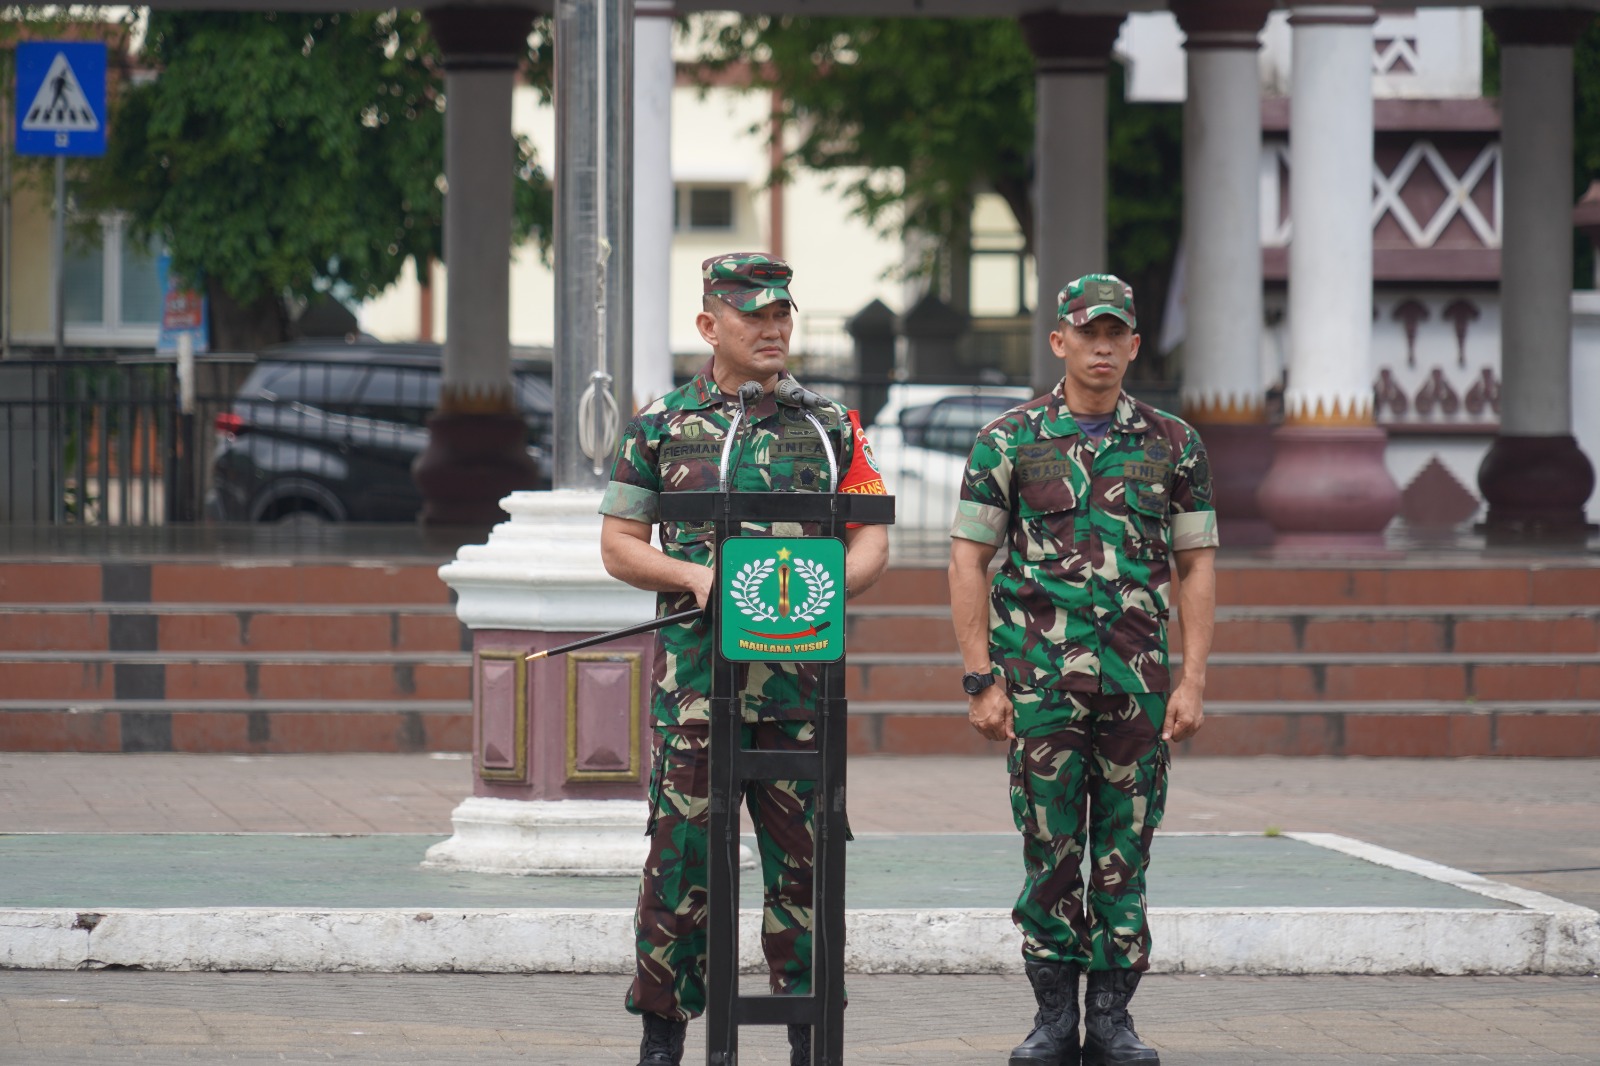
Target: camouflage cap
[748,281]
[1094,295]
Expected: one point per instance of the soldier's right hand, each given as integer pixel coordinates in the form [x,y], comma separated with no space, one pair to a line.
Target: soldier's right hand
[699,581]
[990,712]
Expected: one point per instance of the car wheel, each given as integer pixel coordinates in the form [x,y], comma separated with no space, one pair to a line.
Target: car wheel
[304,519]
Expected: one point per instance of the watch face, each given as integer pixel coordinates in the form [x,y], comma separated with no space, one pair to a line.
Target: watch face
[973,684]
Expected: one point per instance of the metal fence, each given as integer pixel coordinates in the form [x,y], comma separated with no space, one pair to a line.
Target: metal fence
[103,441]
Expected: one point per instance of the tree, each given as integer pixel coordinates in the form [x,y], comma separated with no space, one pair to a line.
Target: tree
[279,155]
[935,110]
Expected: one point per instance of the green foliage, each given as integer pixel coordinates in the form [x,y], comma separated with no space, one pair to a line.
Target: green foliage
[948,103]
[936,110]
[282,153]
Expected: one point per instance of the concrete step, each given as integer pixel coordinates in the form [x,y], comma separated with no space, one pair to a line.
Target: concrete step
[243,727]
[261,627]
[908,628]
[1418,728]
[1410,728]
[902,677]
[1296,676]
[231,676]
[225,583]
[1246,582]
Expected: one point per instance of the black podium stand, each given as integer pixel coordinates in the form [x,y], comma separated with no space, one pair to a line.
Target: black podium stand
[732,764]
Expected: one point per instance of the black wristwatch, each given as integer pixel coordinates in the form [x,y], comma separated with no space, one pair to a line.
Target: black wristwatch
[976,682]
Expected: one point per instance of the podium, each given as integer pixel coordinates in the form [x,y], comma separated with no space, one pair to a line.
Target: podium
[758,632]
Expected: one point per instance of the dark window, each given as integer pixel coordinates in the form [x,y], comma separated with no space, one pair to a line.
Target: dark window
[704,208]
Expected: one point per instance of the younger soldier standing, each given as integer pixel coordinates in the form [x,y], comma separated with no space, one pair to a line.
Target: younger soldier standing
[1091,493]
[676,445]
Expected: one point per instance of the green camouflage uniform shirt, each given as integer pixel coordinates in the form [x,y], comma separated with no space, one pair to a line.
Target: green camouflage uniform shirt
[1081,600]
[675,445]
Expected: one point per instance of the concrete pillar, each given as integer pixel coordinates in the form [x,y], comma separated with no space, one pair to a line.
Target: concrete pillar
[1328,487]
[561,747]
[477,451]
[1071,56]
[654,75]
[1535,477]
[1223,394]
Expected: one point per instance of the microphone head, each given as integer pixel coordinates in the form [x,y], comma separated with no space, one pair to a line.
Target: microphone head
[794,394]
[791,393]
[750,392]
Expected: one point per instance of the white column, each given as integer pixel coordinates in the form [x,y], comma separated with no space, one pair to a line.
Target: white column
[654,75]
[1330,189]
[1221,232]
[477,228]
[1328,490]
[1535,257]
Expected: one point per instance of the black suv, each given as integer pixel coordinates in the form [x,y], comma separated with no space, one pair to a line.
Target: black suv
[327,431]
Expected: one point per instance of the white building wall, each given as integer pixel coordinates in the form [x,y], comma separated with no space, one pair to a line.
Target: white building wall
[719,138]
[1430,53]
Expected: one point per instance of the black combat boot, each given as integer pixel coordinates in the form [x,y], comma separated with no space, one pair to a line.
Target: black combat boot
[663,1041]
[1108,1036]
[1054,1040]
[799,1045]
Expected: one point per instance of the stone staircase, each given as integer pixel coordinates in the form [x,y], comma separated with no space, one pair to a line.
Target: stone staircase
[207,656]
[1469,657]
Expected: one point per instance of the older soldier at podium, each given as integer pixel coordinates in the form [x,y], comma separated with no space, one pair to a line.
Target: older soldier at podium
[677,445]
[1093,496]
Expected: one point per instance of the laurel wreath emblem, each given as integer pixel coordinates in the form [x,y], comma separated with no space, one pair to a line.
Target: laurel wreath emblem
[820,586]
[746,590]
[746,586]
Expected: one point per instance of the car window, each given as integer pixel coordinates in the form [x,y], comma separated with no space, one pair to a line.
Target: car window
[330,386]
[952,424]
[403,394]
[914,423]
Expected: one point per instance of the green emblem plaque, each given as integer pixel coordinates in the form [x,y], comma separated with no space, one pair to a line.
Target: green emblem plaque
[782,599]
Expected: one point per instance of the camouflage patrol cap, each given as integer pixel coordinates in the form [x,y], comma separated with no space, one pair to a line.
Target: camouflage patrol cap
[748,281]
[1094,295]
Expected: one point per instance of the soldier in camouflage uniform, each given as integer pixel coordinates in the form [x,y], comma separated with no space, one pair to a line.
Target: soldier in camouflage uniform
[1092,495]
[675,445]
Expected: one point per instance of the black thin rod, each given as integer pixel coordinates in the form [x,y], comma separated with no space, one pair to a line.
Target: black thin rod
[617,634]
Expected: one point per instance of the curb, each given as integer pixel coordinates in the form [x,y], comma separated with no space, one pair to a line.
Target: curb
[1533,934]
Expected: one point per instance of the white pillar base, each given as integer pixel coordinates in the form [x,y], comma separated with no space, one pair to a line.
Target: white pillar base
[590,838]
[536,838]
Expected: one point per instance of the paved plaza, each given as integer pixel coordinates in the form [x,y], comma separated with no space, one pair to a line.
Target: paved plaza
[1527,823]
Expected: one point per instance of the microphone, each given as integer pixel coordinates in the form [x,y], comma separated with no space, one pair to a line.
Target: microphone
[792,393]
[750,392]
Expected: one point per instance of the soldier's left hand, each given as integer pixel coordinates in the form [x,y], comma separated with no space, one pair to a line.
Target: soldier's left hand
[1185,713]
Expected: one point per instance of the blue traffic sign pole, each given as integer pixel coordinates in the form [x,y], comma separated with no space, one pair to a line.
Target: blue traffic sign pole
[61,112]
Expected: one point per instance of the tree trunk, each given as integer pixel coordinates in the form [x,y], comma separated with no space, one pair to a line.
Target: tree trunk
[245,327]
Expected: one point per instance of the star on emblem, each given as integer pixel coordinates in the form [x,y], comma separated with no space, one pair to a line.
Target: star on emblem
[784,553]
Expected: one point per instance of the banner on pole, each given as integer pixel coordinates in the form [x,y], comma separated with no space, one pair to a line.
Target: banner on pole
[183,309]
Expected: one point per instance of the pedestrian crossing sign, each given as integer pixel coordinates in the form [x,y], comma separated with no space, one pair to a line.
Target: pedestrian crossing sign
[61,98]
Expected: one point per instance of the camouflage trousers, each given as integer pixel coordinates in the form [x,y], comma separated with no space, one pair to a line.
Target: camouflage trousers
[670,923]
[1087,769]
